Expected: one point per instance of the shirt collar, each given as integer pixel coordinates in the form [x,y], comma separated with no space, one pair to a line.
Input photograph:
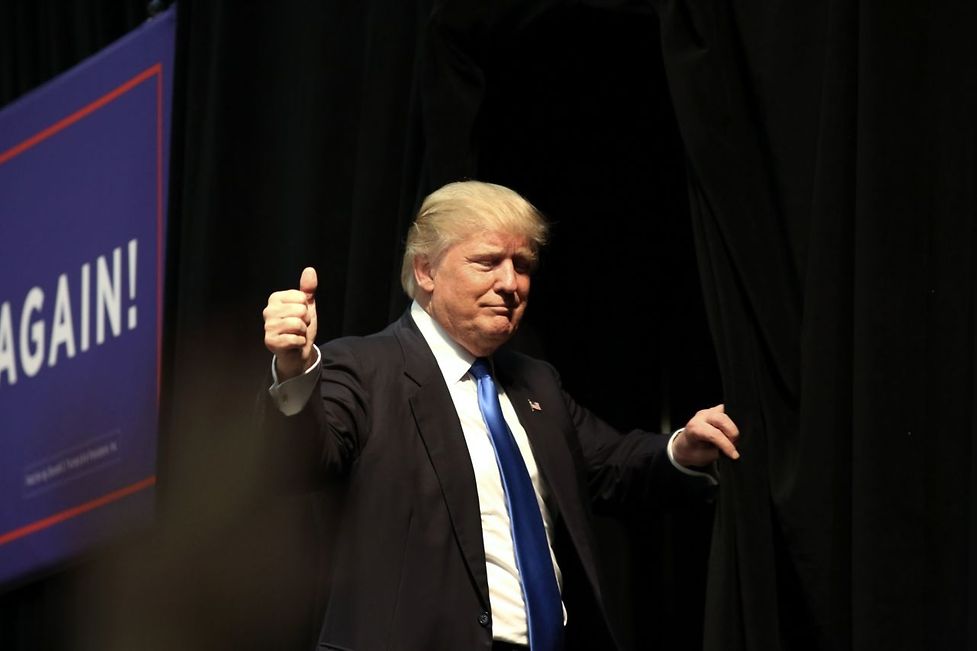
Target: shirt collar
[453,360]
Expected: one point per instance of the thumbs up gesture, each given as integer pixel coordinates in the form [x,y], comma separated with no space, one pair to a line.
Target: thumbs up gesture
[290,326]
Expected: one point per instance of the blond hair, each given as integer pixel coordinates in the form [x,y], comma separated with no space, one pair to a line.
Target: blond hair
[461,209]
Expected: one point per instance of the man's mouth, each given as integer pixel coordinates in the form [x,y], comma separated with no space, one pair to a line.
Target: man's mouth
[500,309]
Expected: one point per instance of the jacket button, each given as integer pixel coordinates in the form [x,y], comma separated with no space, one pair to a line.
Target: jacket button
[483,618]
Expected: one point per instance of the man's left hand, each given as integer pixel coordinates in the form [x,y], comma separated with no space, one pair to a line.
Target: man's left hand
[709,432]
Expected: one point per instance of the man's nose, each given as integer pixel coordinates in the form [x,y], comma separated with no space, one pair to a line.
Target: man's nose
[506,277]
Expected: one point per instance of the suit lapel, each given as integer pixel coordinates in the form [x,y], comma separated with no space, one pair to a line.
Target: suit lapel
[440,431]
[552,458]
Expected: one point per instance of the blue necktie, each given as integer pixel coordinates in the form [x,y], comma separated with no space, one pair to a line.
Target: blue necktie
[544,609]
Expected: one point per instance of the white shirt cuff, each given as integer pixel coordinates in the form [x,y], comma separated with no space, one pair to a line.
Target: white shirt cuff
[291,395]
[711,476]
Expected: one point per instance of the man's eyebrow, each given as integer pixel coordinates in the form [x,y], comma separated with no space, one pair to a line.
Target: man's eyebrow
[487,250]
[491,251]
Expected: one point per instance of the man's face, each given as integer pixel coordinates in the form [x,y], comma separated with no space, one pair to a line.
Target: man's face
[478,289]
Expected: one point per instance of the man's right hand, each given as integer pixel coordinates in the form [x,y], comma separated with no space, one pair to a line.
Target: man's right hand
[290,326]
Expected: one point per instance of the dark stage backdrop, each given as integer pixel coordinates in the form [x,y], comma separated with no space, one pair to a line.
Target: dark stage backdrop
[306,133]
[829,154]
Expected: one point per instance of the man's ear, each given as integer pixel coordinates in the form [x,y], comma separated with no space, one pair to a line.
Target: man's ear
[424,273]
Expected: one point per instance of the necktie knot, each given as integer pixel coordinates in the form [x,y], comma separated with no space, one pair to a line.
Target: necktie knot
[480,369]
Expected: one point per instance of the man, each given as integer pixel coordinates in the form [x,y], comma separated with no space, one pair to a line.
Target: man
[470,474]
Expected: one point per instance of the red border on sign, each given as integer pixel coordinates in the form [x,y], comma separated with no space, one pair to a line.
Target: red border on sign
[74,511]
[155,70]
[60,125]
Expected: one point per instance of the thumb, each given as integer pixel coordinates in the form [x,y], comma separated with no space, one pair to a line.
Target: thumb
[309,282]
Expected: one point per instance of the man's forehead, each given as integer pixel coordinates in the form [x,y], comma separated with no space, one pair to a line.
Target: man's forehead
[497,240]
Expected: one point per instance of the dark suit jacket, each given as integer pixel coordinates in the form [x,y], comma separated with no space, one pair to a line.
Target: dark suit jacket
[409,564]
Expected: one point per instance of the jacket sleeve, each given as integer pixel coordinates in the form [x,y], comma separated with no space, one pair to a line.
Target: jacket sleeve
[627,472]
[317,446]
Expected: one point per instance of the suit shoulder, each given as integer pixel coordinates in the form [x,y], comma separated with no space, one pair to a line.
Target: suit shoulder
[363,347]
[525,365]
[379,348]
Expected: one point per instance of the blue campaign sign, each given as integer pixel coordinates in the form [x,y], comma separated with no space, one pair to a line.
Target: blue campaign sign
[83,178]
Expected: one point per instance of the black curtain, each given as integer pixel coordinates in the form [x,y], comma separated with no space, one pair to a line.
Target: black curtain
[831,152]
[43,38]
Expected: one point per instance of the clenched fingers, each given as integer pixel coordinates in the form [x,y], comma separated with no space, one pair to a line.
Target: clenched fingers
[288,317]
[713,428]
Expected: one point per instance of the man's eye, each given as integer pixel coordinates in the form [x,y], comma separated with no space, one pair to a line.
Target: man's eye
[486,263]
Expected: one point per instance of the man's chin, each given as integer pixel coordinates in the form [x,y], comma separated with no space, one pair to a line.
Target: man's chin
[501,327]
[490,338]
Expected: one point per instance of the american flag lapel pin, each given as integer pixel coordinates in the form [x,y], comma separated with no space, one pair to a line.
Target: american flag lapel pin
[535,406]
